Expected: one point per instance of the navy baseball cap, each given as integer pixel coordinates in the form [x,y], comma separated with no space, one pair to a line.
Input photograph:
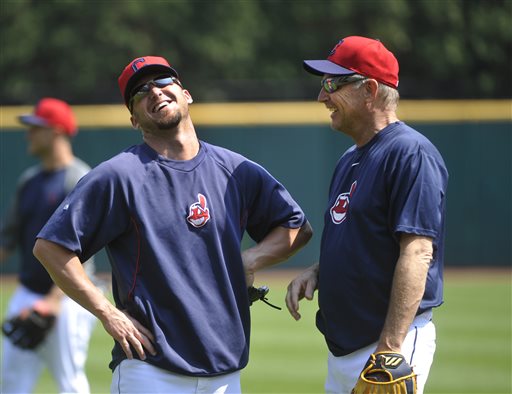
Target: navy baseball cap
[358,55]
[52,112]
[140,67]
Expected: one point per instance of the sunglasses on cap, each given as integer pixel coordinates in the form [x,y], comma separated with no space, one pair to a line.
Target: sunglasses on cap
[331,84]
[140,91]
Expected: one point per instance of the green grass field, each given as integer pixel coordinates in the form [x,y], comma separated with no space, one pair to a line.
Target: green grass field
[473,341]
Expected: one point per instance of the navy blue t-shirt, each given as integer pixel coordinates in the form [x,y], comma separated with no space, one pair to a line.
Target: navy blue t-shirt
[39,192]
[173,231]
[394,184]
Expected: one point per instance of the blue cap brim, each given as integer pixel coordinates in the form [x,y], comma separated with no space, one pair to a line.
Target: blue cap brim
[321,67]
[33,120]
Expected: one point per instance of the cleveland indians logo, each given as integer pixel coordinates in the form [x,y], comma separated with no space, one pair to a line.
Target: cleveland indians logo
[198,212]
[333,50]
[339,209]
[135,66]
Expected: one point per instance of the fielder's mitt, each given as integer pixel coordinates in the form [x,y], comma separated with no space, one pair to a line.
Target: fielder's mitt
[259,293]
[28,329]
[386,373]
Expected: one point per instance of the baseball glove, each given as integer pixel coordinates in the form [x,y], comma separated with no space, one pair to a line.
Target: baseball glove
[28,329]
[386,373]
[259,293]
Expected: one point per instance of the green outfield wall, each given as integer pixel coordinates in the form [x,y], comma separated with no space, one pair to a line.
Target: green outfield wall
[295,143]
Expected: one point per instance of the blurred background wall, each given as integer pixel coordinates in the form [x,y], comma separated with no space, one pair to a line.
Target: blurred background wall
[475,139]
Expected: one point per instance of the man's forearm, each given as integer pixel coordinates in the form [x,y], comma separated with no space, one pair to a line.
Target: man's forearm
[280,244]
[68,274]
[407,291]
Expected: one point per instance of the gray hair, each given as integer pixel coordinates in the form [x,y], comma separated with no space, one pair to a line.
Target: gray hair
[387,95]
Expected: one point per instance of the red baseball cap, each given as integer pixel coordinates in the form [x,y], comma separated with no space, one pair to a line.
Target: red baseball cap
[360,55]
[140,67]
[52,112]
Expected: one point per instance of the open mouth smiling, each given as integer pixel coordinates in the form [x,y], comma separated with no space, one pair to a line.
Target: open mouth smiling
[161,105]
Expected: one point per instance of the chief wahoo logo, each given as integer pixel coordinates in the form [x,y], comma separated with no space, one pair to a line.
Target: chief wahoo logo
[198,212]
[340,207]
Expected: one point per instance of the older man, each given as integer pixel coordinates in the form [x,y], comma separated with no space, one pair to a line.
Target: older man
[381,260]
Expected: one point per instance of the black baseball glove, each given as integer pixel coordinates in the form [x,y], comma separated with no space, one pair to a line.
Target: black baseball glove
[386,373]
[28,329]
[259,293]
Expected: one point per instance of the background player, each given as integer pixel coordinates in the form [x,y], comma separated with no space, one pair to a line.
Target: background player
[381,257]
[39,191]
[172,212]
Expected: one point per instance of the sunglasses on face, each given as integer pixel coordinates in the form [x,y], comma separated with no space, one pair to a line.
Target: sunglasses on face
[140,91]
[330,85]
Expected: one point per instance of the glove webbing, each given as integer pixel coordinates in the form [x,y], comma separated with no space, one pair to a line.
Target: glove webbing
[395,387]
[403,385]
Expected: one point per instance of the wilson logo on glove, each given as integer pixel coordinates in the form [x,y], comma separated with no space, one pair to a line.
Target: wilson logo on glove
[391,361]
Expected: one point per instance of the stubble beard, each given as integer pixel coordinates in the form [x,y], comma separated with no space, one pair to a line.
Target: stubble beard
[161,127]
[169,122]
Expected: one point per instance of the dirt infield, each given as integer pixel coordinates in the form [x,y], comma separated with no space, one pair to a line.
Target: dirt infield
[490,273]
[499,274]
[280,275]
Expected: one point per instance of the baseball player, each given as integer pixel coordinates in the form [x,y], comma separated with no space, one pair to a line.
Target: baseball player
[381,258]
[171,213]
[61,345]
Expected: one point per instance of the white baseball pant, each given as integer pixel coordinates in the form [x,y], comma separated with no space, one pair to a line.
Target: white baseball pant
[135,376]
[418,349]
[63,352]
